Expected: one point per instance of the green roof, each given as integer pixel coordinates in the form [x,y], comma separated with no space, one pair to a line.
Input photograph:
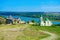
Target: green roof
[45,19]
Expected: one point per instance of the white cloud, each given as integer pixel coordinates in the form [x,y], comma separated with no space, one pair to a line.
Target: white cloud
[50,8]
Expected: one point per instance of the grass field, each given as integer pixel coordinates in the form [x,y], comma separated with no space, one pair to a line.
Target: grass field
[15,32]
[11,32]
[52,29]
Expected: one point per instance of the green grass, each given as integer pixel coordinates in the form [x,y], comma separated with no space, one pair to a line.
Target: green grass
[31,34]
[26,34]
[5,26]
[52,29]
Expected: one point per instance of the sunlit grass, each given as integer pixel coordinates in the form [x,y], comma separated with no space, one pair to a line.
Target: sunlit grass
[6,26]
[31,34]
[52,29]
[26,34]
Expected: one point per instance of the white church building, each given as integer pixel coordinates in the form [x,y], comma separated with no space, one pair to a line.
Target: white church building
[45,22]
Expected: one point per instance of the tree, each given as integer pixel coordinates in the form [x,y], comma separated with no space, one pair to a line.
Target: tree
[32,21]
[28,22]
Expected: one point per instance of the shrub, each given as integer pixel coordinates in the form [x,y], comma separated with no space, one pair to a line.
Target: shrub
[2,20]
[32,21]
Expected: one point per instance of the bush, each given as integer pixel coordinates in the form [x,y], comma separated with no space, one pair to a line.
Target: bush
[35,24]
[32,21]
[0,22]
[57,25]
[28,22]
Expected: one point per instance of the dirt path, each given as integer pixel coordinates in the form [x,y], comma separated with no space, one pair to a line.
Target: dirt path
[16,29]
[51,37]
[12,33]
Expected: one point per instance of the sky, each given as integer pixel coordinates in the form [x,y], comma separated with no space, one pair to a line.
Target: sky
[30,5]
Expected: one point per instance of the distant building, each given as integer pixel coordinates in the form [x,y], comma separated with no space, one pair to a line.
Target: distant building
[22,22]
[18,20]
[45,22]
[9,20]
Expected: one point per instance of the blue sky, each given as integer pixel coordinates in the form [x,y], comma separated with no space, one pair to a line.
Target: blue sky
[30,5]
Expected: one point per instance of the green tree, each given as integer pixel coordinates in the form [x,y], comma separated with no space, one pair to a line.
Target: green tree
[28,22]
[32,21]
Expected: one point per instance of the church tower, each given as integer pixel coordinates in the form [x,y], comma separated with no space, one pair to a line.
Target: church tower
[41,21]
[45,22]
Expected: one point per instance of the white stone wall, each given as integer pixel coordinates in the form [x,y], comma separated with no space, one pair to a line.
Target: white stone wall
[47,22]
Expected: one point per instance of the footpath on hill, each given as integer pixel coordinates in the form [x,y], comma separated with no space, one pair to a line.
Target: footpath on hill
[51,37]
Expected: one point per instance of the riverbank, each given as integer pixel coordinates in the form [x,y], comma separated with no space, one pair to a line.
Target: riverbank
[58,20]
